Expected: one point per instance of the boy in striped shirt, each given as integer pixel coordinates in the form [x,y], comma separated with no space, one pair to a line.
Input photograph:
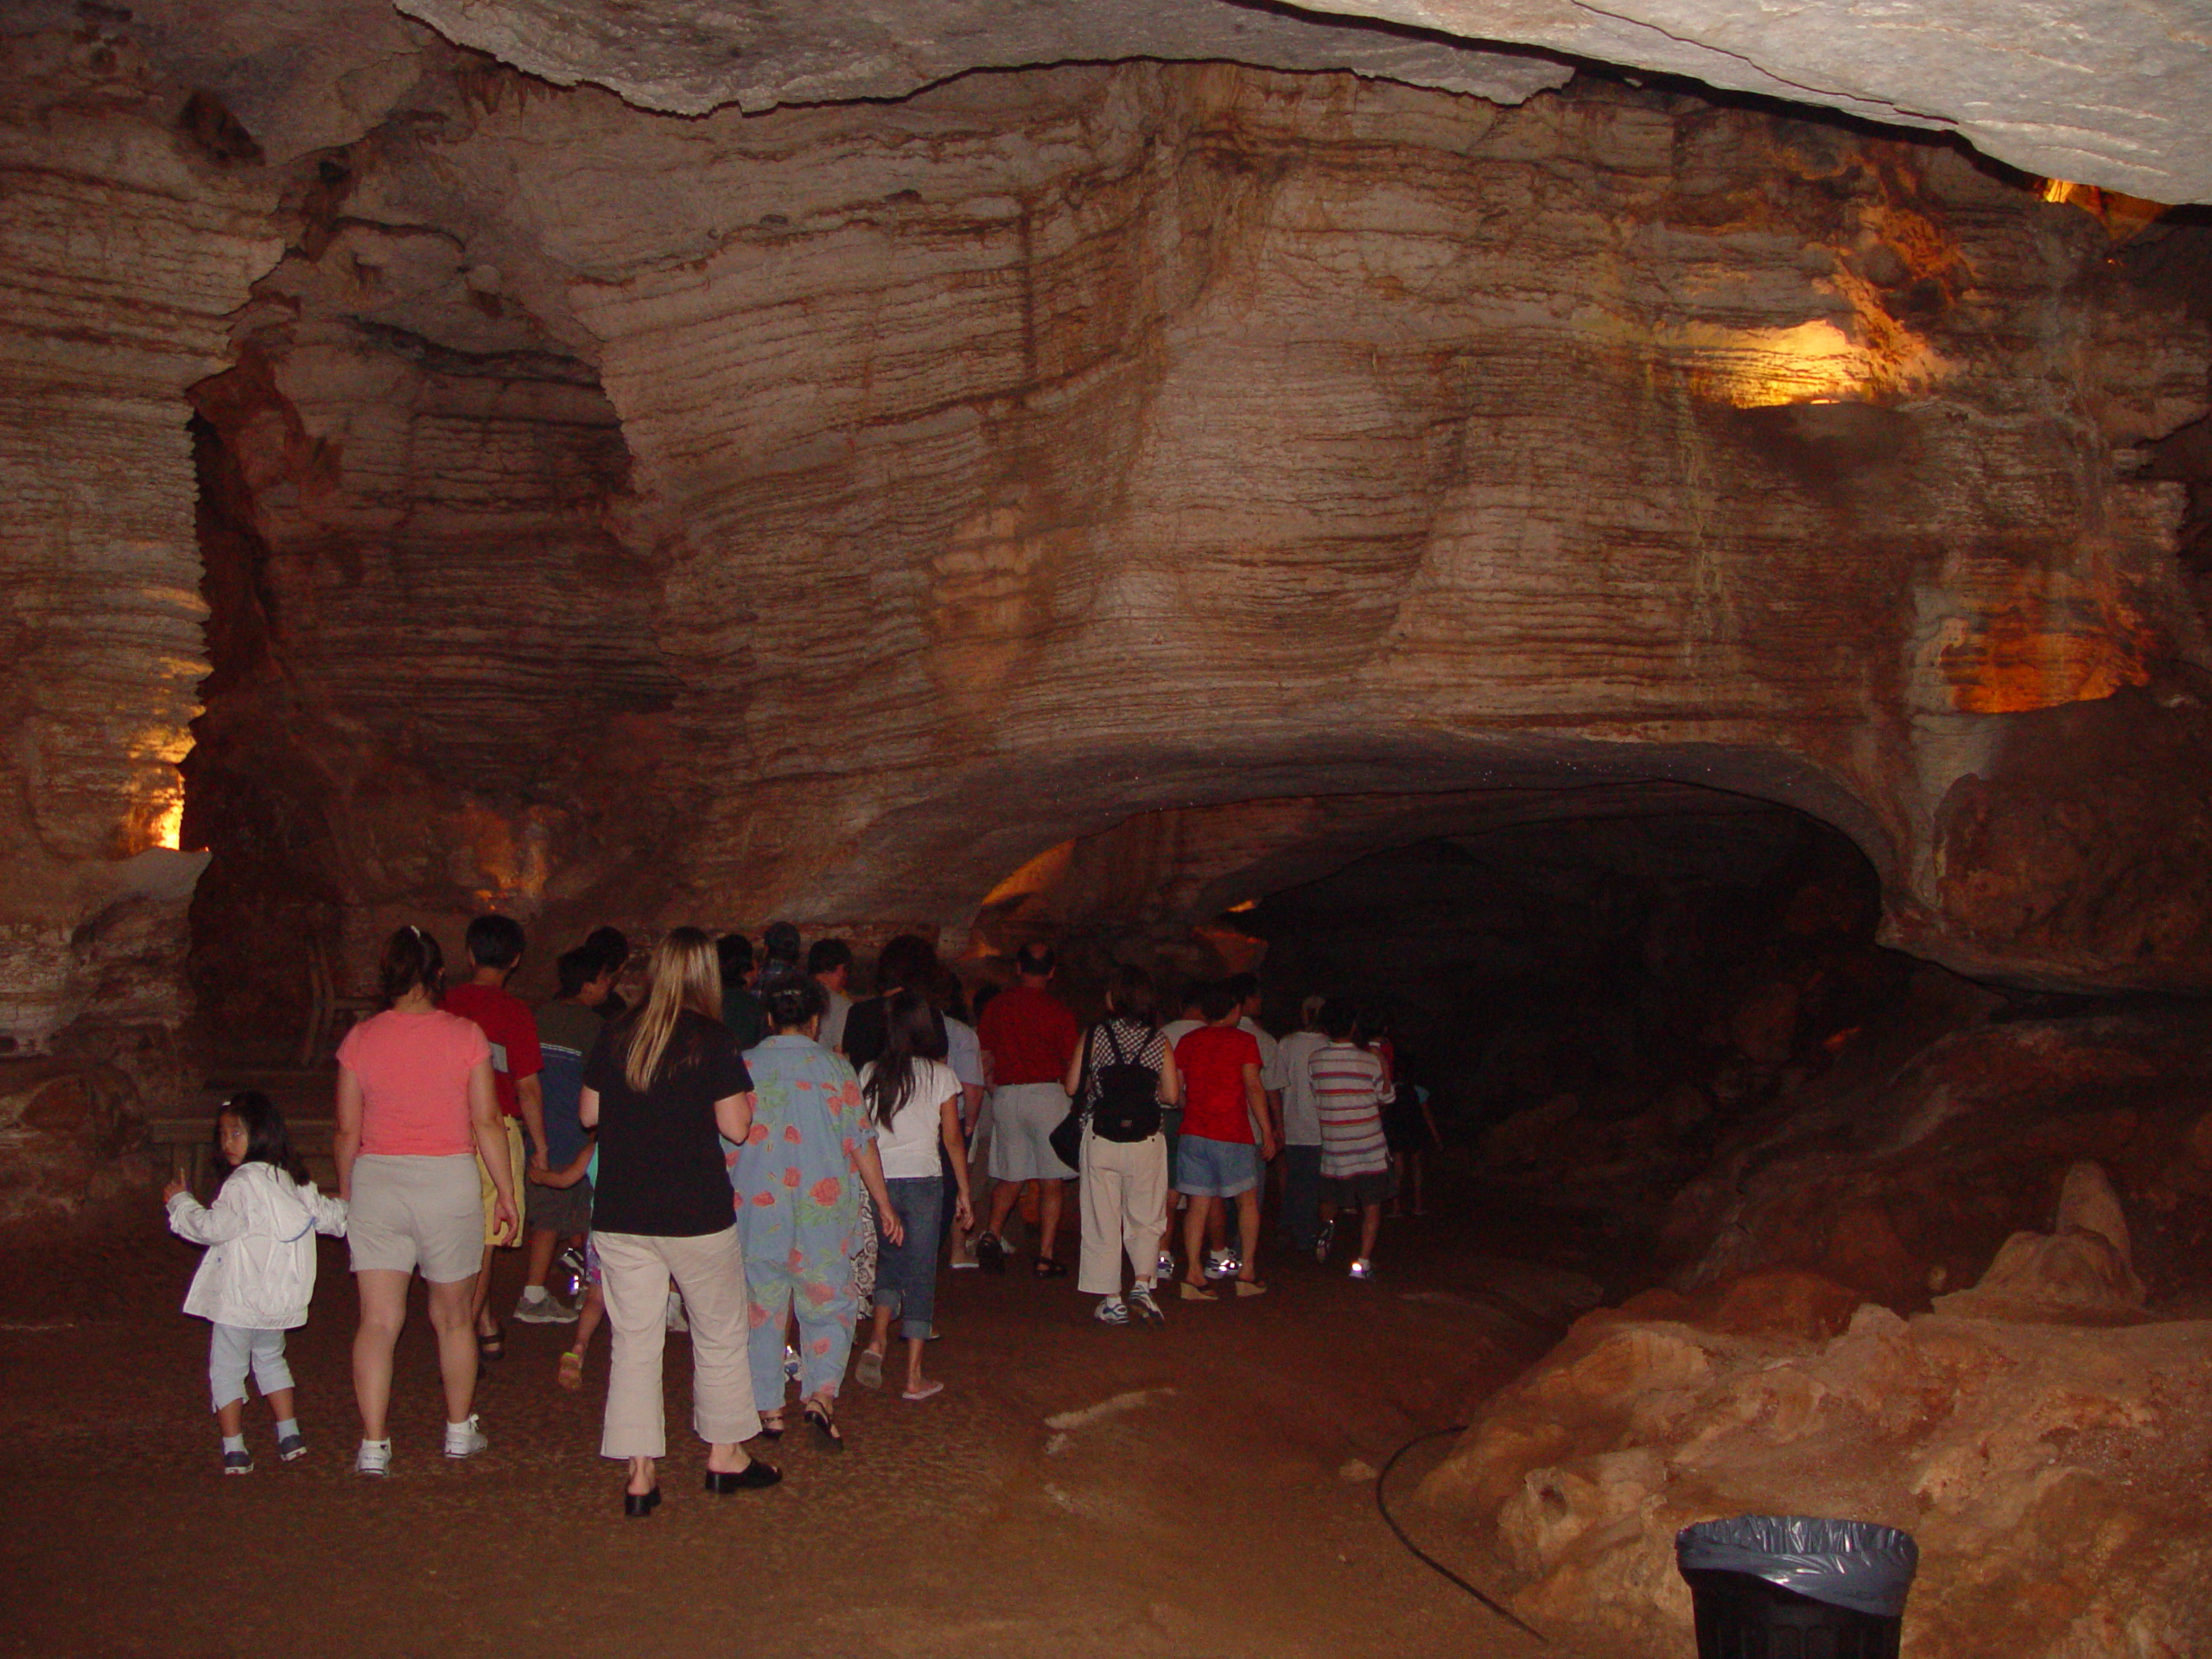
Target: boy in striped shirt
[1350,1089]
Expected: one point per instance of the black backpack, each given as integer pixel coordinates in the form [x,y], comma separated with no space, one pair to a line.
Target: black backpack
[1127,1106]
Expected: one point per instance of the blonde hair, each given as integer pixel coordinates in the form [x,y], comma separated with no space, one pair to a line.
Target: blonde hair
[683,973]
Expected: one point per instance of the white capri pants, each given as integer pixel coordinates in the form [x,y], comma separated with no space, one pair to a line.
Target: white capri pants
[227,1355]
[635,1269]
[1124,1197]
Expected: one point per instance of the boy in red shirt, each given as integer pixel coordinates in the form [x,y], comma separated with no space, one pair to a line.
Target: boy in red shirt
[495,947]
[1224,1106]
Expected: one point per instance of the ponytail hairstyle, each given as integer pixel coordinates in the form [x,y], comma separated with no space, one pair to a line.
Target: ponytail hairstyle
[912,1032]
[791,999]
[682,974]
[267,1142]
[411,958]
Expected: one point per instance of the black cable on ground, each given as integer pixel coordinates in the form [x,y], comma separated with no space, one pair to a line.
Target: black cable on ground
[1383,1508]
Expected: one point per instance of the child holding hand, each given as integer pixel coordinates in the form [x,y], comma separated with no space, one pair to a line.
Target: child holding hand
[593,1306]
[257,1277]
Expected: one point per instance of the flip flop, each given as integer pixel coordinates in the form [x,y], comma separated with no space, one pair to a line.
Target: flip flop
[572,1372]
[868,1370]
[924,1392]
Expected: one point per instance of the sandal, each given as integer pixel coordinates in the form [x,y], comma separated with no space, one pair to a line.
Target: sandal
[868,1370]
[928,1391]
[493,1346]
[772,1426]
[1047,1268]
[824,1424]
[572,1372]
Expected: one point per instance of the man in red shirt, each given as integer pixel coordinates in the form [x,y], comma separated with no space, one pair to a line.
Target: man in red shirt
[1228,1134]
[1029,1037]
[495,947]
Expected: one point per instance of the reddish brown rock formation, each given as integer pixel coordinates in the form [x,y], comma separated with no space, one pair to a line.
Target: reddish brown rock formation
[2046,1472]
[949,420]
[123,242]
[921,487]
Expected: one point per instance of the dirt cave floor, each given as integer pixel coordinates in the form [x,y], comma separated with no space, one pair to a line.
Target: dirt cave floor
[1217,1507]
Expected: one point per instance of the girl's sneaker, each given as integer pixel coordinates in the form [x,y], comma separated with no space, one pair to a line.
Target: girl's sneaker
[1363,1268]
[241,1463]
[1141,1301]
[1112,1310]
[373,1458]
[465,1440]
[290,1448]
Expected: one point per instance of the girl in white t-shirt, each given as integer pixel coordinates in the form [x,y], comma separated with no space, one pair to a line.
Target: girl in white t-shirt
[913,1097]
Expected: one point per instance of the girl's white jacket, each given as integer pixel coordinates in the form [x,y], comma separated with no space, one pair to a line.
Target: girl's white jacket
[260,1272]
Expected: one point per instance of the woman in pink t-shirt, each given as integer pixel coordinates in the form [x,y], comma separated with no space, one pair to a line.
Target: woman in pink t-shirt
[416,1110]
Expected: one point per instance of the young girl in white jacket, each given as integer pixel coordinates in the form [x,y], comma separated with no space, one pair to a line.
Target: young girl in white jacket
[257,1279]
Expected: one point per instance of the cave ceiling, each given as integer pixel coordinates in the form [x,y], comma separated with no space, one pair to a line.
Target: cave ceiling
[2108,94]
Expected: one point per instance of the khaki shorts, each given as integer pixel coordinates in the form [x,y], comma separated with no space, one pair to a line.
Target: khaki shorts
[515,1165]
[408,1213]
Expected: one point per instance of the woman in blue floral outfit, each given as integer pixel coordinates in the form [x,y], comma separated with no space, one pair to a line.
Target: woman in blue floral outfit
[796,1183]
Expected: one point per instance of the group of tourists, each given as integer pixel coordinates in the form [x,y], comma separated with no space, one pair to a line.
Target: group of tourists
[751,1154]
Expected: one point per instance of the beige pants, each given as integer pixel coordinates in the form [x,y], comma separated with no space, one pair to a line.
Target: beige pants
[1124,1209]
[635,1272]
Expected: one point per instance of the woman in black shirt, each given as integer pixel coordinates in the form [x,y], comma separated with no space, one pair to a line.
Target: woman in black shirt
[662,1086]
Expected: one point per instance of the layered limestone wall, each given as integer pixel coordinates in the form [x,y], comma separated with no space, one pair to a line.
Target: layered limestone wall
[124,241]
[964,476]
[1049,449]
[828,513]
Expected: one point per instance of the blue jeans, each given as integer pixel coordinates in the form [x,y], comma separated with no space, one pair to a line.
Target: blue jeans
[905,1273]
[1301,1198]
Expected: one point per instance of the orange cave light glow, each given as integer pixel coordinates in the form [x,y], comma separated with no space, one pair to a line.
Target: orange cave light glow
[1759,368]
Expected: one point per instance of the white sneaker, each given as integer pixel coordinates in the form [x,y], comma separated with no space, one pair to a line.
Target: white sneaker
[465,1440]
[1167,1265]
[791,1364]
[373,1458]
[1363,1268]
[675,1319]
[544,1310]
[1112,1310]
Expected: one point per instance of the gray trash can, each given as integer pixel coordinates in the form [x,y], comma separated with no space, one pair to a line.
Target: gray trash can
[1786,1586]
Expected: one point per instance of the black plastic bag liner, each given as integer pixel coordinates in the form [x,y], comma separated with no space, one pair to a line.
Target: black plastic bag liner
[1853,1564]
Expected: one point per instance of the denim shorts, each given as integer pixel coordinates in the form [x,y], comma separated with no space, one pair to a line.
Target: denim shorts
[1216,1169]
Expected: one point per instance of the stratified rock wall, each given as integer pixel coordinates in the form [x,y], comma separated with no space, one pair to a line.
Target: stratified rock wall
[1053,448]
[123,245]
[1149,436]
[445,694]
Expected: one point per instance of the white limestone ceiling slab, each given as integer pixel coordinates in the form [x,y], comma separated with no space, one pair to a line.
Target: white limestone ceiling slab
[690,56]
[2114,94]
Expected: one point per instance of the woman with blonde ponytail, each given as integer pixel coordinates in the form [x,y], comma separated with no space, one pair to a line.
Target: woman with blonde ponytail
[664,1085]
